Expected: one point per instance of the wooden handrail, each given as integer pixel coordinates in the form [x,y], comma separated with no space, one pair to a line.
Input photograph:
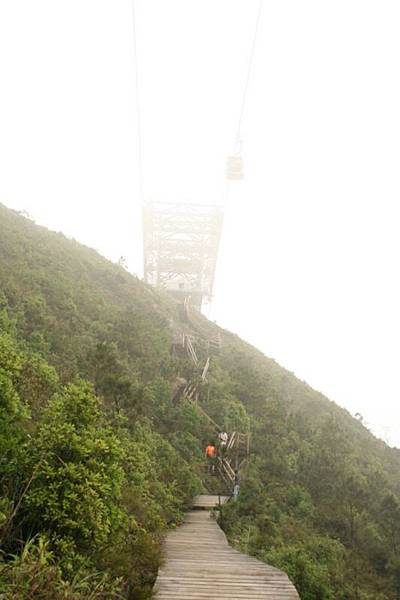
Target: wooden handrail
[228,469]
[232,440]
[238,443]
[205,370]
[190,350]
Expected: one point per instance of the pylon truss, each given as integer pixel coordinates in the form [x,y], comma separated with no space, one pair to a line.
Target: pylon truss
[181,247]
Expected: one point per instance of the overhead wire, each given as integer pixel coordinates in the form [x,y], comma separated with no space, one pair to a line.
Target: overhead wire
[248,74]
[138,107]
[238,139]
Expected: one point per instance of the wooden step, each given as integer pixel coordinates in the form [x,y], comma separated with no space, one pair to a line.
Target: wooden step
[200,565]
[208,502]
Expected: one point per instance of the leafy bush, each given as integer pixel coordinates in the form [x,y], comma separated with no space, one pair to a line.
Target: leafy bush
[77,461]
[310,567]
[33,574]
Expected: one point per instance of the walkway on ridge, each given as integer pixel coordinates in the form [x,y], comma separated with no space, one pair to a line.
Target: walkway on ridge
[200,565]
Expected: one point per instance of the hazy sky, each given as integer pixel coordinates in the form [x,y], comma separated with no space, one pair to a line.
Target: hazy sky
[309,262]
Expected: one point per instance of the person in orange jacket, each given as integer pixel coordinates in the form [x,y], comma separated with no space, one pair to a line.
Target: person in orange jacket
[211,453]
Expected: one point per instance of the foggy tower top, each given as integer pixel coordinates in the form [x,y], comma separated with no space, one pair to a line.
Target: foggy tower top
[181,247]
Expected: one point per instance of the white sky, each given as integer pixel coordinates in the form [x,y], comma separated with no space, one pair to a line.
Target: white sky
[308,268]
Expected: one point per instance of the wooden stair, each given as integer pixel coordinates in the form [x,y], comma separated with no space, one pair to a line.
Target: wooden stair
[200,565]
[207,502]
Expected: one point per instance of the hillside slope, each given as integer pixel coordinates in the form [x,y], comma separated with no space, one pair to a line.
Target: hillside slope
[320,497]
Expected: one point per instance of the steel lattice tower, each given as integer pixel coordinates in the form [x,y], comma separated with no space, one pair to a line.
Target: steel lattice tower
[181,247]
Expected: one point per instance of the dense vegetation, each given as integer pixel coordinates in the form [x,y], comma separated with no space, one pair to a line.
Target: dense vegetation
[96,460]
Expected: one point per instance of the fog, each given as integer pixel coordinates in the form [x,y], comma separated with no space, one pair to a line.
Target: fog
[308,264]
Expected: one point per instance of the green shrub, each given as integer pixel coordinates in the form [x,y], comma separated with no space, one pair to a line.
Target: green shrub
[78,475]
[312,567]
[33,574]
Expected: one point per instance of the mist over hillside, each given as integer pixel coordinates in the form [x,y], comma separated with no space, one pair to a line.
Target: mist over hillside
[99,457]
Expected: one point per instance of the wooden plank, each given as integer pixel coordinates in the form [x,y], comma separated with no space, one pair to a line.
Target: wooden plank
[200,565]
[206,501]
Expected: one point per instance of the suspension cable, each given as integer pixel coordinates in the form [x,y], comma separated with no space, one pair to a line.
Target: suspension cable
[138,109]
[247,80]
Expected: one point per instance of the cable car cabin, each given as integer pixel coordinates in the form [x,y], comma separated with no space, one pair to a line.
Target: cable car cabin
[234,167]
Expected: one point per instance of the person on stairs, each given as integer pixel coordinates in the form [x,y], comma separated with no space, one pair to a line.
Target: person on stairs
[236,485]
[211,453]
[223,441]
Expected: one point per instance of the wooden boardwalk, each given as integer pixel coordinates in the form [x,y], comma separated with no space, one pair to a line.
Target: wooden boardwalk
[200,565]
[207,502]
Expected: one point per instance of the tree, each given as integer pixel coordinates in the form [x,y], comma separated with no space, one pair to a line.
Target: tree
[77,461]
